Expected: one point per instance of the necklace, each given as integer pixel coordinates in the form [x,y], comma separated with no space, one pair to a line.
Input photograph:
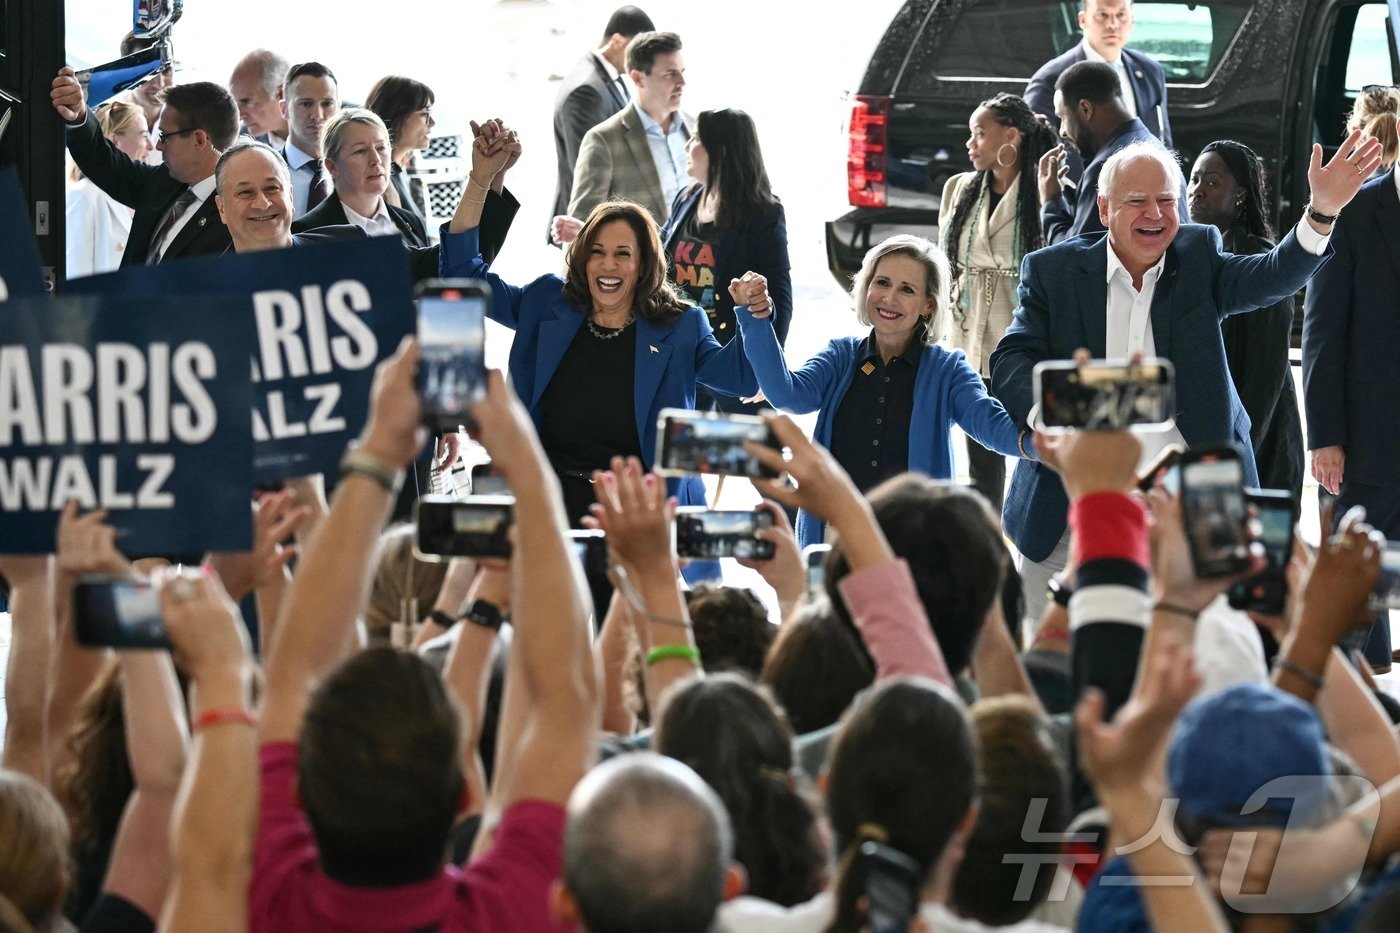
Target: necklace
[608,333]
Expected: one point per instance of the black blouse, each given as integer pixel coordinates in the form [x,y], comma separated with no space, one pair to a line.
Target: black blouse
[870,433]
[586,412]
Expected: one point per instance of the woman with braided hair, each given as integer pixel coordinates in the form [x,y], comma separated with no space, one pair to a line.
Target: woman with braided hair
[1226,191]
[989,220]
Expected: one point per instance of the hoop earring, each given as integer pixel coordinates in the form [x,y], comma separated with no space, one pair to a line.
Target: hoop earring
[1014,153]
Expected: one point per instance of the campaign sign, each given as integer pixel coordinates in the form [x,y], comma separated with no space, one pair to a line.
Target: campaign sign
[137,406]
[20,268]
[325,316]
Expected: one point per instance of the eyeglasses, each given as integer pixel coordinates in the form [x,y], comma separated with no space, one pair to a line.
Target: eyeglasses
[427,113]
[162,135]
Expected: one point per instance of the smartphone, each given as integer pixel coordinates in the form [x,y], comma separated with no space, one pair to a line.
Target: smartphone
[1267,591]
[477,526]
[891,888]
[814,557]
[486,482]
[705,534]
[1163,467]
[452,349]
[591,549]
[117,612]
[1213,511]
[1104,395]
[1386,595]
[690,442]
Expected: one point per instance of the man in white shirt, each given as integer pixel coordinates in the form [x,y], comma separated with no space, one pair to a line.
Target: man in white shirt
[639,153]
[311,98]
[1161,287]
[257,86]
[1107,25]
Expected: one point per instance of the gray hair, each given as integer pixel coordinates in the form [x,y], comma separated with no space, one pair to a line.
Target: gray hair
[243,144]
[333,135]
[647,847]
[1131,153]
[936,279]
[272,69]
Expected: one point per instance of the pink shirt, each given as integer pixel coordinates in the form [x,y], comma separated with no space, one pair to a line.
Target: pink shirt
[506,888]
[884,604]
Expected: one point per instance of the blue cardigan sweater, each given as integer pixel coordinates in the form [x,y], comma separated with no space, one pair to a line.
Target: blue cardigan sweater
[946,390]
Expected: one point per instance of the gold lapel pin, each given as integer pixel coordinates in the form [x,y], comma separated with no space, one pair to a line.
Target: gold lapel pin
[868,368]
[203,221]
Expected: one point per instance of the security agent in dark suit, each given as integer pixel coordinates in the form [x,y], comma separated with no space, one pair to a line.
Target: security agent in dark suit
[1107,25]
[1095,123]
[593,91]
[175,212]
[1351,386]
[358,160]
[1069,301]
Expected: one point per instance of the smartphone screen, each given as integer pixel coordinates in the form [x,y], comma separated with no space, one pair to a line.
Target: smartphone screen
[478,526]
[706,535]
[1267,591]
[111,612]
[814,556]
[1104,395]
[891,888]
[452,347]
[1213,509]
[691,442]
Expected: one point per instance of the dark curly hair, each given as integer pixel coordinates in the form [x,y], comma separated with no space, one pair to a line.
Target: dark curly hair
[1036,139]
[731,627]
[736,737]
[656,298]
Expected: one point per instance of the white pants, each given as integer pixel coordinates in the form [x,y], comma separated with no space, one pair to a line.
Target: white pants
[1035,577]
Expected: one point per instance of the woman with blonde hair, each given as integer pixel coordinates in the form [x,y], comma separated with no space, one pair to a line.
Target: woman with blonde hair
[34,856]
[97,224]
[888,401]
[1375,114]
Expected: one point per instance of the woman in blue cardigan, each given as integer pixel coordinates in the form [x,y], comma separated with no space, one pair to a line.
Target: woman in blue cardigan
[599,352]
[887,400]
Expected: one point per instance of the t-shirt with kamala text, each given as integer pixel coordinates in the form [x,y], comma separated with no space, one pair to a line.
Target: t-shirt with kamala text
[693,262]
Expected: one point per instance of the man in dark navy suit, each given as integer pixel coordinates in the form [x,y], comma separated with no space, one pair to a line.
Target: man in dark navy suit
[1156,287]
[1094,123]
[592,92]
[1351,385]
[1107,24]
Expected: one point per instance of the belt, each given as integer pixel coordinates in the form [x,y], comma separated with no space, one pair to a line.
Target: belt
[989,276]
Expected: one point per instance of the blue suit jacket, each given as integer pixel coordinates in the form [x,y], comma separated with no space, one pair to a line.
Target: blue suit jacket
[1145,75]
[946,390]
[760,246]
[1351,338]
[670,358]
[1077,210]
[1063,296]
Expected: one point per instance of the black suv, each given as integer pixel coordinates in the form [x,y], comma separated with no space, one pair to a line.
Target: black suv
[1277,75]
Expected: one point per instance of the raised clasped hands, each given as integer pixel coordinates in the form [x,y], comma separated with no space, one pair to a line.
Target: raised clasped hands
[495,148]
[751,290]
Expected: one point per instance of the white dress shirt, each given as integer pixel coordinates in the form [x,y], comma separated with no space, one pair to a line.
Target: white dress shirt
[1128,321]
[1120,69]
[202,192]
[381,224]
[668,152]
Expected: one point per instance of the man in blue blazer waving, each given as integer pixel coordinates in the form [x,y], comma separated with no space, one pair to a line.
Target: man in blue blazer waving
[1351,387]
[1160,288]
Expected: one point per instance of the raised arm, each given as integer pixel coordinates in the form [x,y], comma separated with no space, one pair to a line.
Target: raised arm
[332,583]
[552,673]
[31,579]
[112,170]
[157,741]
[797,392]
[216,812]
[725,369]
[467,677]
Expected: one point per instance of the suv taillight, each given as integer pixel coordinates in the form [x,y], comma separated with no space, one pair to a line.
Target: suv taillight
[865,159]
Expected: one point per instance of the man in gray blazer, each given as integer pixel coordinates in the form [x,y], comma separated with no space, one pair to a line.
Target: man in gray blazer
[638,153]
[595,90]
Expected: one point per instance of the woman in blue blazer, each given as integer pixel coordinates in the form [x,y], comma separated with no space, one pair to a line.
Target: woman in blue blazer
[599,352]
[887,400]
[725,223]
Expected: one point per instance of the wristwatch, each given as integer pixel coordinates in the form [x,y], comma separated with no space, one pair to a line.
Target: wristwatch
[442,619]
[487,615]
[1058,592]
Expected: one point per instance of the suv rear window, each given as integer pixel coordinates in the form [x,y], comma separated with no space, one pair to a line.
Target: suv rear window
[1011,39]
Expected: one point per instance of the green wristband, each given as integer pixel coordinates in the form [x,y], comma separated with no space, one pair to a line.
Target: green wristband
[667,652]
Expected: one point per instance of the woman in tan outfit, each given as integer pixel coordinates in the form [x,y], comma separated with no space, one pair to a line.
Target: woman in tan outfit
[989,220]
